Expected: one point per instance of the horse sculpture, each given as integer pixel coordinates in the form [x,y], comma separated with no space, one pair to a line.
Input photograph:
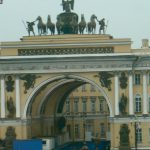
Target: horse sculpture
[41,26]
[74,24]
[59,25]
[91,26]
[50,26]
[82,24]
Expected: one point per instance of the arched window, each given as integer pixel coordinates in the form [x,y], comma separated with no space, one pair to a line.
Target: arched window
[138,103]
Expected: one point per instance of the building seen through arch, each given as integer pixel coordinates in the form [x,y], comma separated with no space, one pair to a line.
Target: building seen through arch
[86,114]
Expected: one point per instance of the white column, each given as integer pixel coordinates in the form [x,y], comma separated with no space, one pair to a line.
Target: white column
[17,97]
[116,94]
[3,114]
[131,108]
[145,103]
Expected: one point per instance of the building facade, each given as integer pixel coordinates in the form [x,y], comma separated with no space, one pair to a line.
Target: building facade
[39,73]
[86,113]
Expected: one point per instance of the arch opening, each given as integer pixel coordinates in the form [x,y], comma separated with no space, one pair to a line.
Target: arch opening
[51,106]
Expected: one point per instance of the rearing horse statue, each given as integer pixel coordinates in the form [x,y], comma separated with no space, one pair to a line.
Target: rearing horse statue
[82,24]
[91,26]
[50,26]
[41,26]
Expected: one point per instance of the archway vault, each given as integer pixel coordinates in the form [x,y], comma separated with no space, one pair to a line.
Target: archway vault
[69,83]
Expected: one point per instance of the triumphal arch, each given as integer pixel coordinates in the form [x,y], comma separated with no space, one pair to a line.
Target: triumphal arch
[37,74]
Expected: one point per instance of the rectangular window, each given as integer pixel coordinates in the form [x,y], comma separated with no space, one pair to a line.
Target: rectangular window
[93,99]
[149,134]
[138,105]
[1,1]
[102,130]
[76,100]
[84,99]
[92,88]
[149,78]
[149,104]
[89,127]
[101,104]
[67,105]
[137,79]
[139,135]
[84,88]
[77,131]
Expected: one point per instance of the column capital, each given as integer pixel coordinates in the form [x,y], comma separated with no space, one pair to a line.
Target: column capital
[2,75]
[144,72]
[116,72]
[130,72]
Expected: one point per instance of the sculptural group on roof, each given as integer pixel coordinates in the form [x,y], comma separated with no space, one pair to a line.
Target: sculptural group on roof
[67,23]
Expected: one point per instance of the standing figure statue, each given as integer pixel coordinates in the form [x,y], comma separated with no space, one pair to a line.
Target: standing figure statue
[102,25]
[68,5]
[30,27]
[11,108]
[123,104]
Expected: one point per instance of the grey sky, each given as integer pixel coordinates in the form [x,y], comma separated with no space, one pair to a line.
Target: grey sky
[126,18]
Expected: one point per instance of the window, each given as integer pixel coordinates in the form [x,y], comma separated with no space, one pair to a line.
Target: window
[93,99]
[77,135]
[68,105]
[149,104]
[89,127]
[149,133]
[76,100]
[92,88]
[137,79]
[83,88]
[84,99]
[138,106]
[101,102]
[149,78]
[102,130]
[139,135]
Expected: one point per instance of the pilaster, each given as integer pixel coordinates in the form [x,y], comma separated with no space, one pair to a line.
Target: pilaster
[17,97]
[131,108]
[116,94]
[145,100]
[3,112]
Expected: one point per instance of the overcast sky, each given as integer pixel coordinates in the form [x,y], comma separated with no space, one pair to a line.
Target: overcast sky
[126,18]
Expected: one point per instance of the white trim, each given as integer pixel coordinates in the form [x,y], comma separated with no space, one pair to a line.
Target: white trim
[142,148]
[64,45]
[65,56]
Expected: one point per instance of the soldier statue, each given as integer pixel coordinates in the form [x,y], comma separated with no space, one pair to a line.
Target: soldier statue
[102,25]
[30,27]
[68,5]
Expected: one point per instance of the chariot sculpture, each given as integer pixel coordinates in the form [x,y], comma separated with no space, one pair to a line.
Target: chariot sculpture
[67,22]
